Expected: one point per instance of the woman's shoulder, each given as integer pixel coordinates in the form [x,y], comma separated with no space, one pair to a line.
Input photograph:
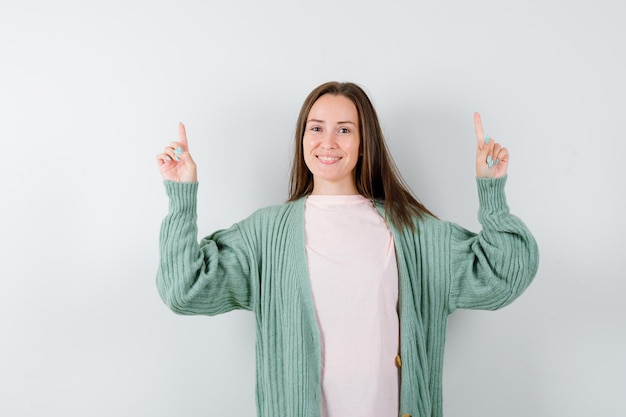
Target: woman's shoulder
[425,220]
[276,213]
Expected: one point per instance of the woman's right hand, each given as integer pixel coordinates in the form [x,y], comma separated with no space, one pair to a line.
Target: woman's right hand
[175,163]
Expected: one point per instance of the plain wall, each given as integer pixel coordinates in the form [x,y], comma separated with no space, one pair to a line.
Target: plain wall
[90,92]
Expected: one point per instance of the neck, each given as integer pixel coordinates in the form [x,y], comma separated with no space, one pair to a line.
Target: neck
[324,188]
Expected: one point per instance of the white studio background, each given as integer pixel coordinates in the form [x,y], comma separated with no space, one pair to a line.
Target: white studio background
[90,92]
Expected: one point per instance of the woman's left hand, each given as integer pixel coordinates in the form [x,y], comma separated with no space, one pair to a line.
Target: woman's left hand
[492,160]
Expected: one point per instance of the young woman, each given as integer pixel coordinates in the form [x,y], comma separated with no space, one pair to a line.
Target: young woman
[352,280]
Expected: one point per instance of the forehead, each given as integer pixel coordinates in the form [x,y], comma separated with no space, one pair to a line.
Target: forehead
[330,107]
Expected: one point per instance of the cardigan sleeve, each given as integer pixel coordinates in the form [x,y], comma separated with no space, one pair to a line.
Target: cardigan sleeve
[490,269]
[207,277]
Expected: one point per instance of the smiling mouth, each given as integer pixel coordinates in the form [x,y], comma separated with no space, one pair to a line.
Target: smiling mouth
[328,159]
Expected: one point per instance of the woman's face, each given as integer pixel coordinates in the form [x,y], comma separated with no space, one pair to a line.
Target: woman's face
[331,144]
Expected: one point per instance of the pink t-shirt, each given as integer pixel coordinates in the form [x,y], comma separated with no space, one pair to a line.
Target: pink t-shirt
[354,279]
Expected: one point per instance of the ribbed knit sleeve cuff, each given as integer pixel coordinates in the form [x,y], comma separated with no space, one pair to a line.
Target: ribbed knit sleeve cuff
[492,201]
[491,196]
[182,196]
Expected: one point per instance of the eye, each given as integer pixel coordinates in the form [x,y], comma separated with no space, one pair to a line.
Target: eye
[316,129]
[344,130]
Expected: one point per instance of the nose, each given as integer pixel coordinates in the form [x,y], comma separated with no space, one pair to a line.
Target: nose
[329,141]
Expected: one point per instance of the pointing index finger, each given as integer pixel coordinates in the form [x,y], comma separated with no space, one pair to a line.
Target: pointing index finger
[478,129]
[182,134]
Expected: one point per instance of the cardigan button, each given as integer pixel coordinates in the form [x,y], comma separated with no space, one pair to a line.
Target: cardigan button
[406,415]
[399,364]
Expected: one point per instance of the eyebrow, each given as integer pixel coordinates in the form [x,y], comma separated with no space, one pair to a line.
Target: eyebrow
[339,123]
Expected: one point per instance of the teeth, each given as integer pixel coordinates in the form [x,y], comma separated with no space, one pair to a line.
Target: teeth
[328,158]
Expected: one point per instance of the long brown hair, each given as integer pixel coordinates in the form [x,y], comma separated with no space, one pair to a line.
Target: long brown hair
[376,175]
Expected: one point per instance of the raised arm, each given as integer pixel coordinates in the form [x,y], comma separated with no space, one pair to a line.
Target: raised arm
[207,277]
[492,268]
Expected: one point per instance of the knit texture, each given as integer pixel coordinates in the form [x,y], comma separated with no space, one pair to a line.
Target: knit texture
[259,264]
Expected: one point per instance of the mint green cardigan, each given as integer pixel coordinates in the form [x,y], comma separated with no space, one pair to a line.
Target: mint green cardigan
[259,264]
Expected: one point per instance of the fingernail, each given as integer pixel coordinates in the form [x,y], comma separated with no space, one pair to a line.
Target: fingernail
[489,161]
[497,160]
[178,150]
[487,139]
[167,159]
